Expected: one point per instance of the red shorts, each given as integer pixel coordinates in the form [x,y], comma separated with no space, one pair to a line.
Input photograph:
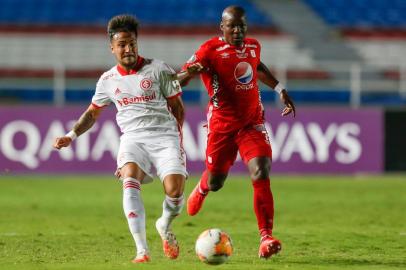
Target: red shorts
[222,148]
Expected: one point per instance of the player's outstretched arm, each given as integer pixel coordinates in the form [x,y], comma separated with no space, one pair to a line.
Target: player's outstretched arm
[184,76]
[85,122]
[265,76]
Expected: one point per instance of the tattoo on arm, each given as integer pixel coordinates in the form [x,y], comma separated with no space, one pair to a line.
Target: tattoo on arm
[85,122]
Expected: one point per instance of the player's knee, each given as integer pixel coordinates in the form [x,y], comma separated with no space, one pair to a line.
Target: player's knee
[174,192]
[216,181]
[259,168]
[216,186]
[259,173]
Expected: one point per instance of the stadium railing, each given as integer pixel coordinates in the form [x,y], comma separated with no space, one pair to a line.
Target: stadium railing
[332,82]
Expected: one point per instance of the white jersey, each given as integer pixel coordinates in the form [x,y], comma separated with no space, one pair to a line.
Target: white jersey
[140,97]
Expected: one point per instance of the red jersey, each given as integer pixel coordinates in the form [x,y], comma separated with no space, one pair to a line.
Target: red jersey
[230,78]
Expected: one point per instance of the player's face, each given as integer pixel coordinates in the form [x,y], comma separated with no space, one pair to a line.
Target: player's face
[234,29]
[125,48]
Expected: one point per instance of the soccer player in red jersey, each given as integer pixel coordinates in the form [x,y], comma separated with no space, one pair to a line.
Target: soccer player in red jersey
[229,67]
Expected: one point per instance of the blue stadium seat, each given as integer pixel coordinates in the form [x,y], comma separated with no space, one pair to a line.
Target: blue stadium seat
[361,13]
[94,12]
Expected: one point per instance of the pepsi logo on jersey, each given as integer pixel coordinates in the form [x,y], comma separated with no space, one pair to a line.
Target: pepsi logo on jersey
[243,73]
[146,84]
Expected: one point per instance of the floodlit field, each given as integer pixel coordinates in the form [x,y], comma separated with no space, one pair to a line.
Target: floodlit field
[76,222]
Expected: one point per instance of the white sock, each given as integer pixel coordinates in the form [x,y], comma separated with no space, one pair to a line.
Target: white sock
[135,213]
[171,208]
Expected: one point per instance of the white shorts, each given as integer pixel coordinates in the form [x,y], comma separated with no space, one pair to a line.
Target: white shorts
[164,154]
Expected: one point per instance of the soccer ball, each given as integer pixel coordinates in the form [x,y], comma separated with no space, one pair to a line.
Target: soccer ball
[214,246]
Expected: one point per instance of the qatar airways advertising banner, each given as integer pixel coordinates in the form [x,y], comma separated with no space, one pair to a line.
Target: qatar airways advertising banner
[326,140]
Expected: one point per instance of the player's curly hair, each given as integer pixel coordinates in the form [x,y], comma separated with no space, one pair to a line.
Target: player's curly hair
[122,23]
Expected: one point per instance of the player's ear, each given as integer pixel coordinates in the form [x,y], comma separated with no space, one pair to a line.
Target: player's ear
[221,26]
[111,48]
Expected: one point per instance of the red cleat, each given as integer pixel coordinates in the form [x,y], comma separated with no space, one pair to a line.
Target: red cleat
[195,201]
[141,259]
[269,246]
[170,245]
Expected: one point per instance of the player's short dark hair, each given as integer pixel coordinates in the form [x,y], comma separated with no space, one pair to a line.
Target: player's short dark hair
[234,9]
[122,23]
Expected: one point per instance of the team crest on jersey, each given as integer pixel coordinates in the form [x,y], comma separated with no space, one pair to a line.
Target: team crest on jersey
[243,73]
[146,84]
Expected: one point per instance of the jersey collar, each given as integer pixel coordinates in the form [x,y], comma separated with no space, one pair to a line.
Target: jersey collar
[123,72]
[232,46]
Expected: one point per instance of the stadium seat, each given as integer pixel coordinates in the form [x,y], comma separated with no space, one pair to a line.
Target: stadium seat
[361,13]
[93,12]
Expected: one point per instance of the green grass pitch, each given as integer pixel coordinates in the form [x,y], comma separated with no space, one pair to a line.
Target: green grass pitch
[324,222]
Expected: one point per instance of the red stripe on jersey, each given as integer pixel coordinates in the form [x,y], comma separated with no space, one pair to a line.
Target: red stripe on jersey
[174,96]
[123,72]
[97,106]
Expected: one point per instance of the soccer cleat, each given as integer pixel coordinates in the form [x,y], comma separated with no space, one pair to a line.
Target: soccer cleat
[269,246]
[141,258]
[195,201]
[170,245]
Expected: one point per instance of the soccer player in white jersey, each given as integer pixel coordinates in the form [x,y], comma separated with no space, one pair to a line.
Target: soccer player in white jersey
[150,114]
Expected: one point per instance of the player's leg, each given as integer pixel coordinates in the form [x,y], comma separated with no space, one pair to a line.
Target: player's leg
[221,153]
[256,152]
[208,182]
[171,207]
[133,207]
[169,159]
[263,206]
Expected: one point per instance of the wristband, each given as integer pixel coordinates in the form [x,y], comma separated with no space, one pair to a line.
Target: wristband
[279,87]
[72,135]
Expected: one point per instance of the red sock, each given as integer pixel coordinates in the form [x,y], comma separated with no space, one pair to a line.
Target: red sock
[263,206]
[203,184]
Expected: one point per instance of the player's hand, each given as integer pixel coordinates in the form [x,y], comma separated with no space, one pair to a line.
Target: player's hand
[62,142]
[287,101]
[117,173]
[194,68]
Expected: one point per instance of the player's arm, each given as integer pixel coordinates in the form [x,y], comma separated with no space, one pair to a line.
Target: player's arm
[85,122]
[186,75]
[177,108]
[265,76]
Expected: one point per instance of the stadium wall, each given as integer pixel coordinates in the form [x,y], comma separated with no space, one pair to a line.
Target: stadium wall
[395,146]
[318,140]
